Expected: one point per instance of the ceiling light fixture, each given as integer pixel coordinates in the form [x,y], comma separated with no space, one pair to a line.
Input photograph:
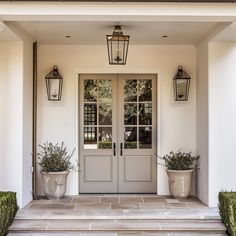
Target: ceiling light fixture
[117,46]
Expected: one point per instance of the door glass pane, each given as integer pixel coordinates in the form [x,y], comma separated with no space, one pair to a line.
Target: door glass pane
[145,137]
[130,91]
[90,114]
[90,137]
[130,138]
[130,116]
[90,90]
[105,137]
[105,114]
[145,113]
[145,90]
[105,91]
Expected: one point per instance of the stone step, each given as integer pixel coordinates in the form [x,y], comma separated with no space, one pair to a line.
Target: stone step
[124,233]
[31,227]
[178,214]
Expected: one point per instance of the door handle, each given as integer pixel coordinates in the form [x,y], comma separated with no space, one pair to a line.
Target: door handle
[114,149]
[121,149]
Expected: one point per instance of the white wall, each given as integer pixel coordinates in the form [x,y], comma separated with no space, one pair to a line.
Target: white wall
[57,120]
[222,117]
[11,117]
[26,107]
[202,120]
[16,118]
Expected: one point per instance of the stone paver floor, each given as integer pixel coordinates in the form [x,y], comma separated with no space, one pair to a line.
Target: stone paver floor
[118,206]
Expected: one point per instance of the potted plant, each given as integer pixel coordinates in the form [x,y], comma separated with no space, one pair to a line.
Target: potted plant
[55,165]
[179,168]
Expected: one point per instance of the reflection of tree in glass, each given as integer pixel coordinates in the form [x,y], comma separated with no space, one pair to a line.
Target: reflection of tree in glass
[101,89]
[145,90]
[90,90]
[145,113]
[130,90]
[105,91]
[130,137]
[105,114]
[130,114]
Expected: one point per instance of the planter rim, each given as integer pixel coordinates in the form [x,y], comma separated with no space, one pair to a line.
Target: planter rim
[55,173]
[180,171]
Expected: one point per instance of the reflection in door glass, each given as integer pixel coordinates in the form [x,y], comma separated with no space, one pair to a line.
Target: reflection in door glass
[104,91]
[145,113]
[145,137]
[90,138]
[90,90]
[130,138]
[145,90]
[90,114]
[105,114]
[130,91]
[105,137]
[130,116]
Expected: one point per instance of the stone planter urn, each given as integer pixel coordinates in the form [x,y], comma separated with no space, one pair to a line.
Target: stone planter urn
[180,182]
[54,184]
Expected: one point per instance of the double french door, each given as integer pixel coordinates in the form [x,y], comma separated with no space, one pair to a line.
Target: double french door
[117,133]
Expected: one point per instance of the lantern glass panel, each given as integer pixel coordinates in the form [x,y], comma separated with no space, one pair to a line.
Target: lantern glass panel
[54,89]
[182,86]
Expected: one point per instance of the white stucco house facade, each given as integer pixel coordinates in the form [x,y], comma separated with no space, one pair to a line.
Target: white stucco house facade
[200,36]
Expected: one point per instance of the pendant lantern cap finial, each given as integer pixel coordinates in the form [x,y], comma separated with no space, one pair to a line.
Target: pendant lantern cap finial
[117,30]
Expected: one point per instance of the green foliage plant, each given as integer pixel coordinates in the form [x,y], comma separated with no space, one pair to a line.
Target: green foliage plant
[179,160]
[8,209]
[227,209]
[54,158]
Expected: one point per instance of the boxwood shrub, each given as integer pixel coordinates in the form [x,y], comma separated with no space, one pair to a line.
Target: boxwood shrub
[8,209]
[227,207]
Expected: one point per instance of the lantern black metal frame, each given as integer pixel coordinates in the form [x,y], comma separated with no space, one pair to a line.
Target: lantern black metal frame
[54,78]
[181,85]
[117,46]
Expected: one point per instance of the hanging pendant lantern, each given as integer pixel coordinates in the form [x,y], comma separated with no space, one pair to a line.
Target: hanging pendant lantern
[117,46]
[181,85]
[54,84]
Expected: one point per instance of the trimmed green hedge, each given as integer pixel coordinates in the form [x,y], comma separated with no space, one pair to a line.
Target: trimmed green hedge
[227,207]
[8,209]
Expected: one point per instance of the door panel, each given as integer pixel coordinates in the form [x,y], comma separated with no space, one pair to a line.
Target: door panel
[98,162]
[137,133]
[117,133]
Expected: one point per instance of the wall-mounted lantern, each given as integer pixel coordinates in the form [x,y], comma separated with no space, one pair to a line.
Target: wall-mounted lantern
[54,84]
[181,85]
[117,46]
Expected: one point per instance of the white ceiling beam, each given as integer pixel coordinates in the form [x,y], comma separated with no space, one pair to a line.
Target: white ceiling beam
[113,11]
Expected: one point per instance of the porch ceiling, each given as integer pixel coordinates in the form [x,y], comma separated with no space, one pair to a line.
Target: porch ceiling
[93,33]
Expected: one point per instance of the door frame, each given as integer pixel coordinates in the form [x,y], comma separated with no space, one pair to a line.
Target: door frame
[161,101]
